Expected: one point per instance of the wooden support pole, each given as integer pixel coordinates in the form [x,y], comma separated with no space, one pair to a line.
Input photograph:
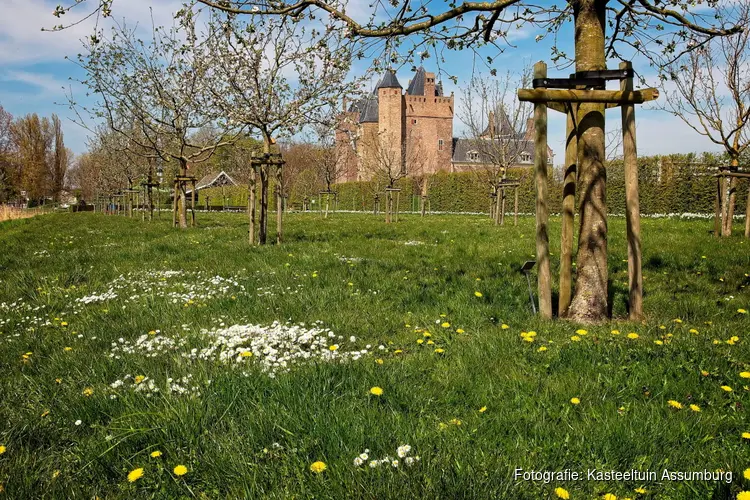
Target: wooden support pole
[515,206]
[541,95]
[250,204]
[568,213]
[717,207]
[279,205]
[192,202]
[542,216]
[174,204]
[747,213]
[632,203]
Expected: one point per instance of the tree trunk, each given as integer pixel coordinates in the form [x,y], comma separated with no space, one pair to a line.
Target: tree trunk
[328,199]
[730,201]
[182,206]
[589,303]
[747,213]
[568,215]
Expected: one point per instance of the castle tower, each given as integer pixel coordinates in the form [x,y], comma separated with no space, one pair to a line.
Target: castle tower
[429,125]
[391,123]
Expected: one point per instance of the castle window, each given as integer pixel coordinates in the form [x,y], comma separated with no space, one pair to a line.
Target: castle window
[440,144]
[472,156]
[525,157]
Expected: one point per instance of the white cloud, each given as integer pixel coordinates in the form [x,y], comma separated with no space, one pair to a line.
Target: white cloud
[22,42]
[47,83]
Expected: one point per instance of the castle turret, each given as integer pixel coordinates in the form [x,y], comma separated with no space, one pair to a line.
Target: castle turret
[391,120]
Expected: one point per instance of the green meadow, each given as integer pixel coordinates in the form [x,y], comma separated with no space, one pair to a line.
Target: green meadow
[404,357]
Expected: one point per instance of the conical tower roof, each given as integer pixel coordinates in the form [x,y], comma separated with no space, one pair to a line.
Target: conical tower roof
[388,81]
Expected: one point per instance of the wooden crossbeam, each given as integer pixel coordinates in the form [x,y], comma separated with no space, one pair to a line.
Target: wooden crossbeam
[574,95]
[562,108]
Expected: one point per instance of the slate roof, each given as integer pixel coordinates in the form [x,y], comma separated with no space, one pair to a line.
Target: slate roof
[462,147]
[388,81]
[416,85]
[210,180]
[503,126]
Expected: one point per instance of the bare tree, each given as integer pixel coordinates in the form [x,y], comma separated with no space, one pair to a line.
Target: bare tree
[712,96]
[256,90]
[33,138]
[384,166]
[495,121]
[156,95]
[601,29]
[7,177]
[60,160]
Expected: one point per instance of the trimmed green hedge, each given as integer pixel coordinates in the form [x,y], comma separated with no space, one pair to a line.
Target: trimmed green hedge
[668,184]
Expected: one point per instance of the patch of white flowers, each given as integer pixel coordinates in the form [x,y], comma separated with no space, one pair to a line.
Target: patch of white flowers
[276,348]
[402,452]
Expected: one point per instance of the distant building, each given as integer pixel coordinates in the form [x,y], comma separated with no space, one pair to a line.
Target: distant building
[413,129]
[412,132]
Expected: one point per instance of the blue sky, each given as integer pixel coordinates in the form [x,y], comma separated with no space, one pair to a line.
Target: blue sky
[33,72]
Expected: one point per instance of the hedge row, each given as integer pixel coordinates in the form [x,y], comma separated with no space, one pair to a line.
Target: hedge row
[668,184]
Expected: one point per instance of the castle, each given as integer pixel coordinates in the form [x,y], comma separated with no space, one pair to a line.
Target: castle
[391,133]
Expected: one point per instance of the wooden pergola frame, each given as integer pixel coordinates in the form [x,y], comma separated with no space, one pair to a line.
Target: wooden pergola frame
[565,100]
[257,162]
[725,172]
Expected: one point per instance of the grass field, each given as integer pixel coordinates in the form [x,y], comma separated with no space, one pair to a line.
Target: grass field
[246,366]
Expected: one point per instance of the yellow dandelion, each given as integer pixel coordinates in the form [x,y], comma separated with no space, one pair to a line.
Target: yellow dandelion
[640,491]
[334,347]
[420,341]
[430,342]
[745,374]
[445,324]
[542,349]
[427,335]
[135,474]
[139,379]
[695,408]
[615,332]
[397,351]
[246,354]
[705,373]
[88,391]
[379,361]
[693,330]
[726,388]
[483,409]
[318,467]
[460,330]
[746,435]
[528,339]
[2,449]
[677,320]
[658,342]
[675,404]
[180,470]
[439,351]
[55,473]
[64,323]
[609,496]
[152,332]
[575,401]
[746,473]
[455,421]
[504,326]
[743,495]
[477,294]
[633,335]
[68,349]
[581,331]
[376,391]
[575,338]
[742,311]
[562,493]
[155,454]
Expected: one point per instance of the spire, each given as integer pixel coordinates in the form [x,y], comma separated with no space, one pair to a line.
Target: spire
[388,81]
